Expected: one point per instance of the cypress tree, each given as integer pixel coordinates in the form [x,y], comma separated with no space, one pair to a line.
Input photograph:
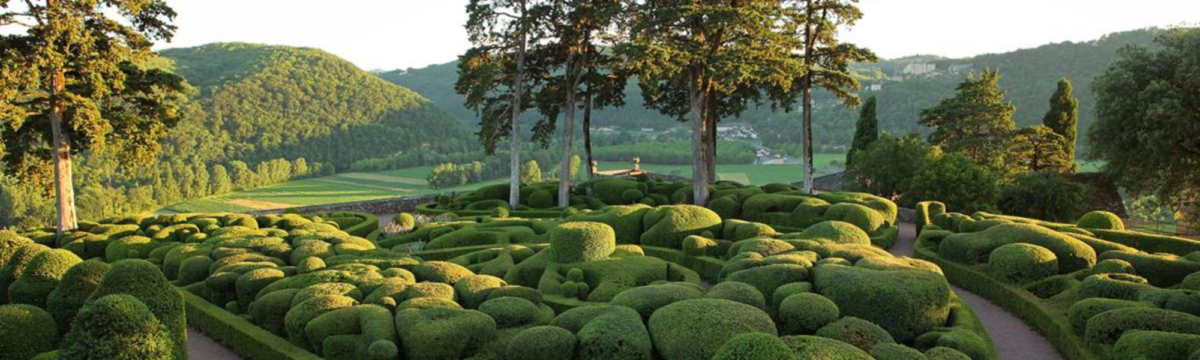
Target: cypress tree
[866,132]
[1063,117]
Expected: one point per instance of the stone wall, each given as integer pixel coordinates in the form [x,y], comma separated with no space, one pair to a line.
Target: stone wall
[377,207]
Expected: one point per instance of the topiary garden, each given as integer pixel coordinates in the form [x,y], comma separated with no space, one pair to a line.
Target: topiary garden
[768,274]
[1094,288]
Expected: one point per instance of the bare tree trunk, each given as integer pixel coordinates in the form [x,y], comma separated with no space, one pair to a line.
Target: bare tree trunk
[806,103]
[564,178]
[63,183]
[699,170]
[711,120]
[587,133]
[514,179]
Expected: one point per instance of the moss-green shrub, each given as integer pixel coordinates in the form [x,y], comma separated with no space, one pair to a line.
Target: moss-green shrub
[975,248]
[404,220]
[541,199]
[582,241]
[11,271]
[542,343]
[626,221]
[117,327]
[499,213]
[1114,286]
[648,299]
[770,277]
[617,333]
[754,346]
[854,331]
[1162,270]
[349,333]
[1019,263]
[510,312]
[297,318]
[727,207]
[441,272]
[815,347]
[1107,327]
[1085,309]
[270,311]
[787,290]
[43,273]
[443,334]
[761,246]
[27,331]
[326,289]
[1114,266]
[1102,220]
[193,270]
[696,329]
[740,292]
[667,226]
[474,290]
[945,353]
[896,352]
[77,285]
[1155,345]
[428,303]
[861,216]
[917,301]
[805,313]
[1181,300]
[142,280]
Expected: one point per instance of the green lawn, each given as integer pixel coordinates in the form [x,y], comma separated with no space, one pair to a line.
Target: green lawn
[749,174]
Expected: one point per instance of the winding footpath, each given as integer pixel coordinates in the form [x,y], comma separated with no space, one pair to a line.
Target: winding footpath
[1014,339]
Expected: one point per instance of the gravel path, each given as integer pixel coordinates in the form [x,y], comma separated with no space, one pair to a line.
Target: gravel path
[205,348]
[1014,339]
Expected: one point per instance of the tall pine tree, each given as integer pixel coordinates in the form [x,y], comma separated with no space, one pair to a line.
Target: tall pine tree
[866,130]
[74,77]
[976,122]
[1063,117]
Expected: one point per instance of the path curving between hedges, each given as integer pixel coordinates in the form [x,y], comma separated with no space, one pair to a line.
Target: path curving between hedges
[201,346]
[1014,339]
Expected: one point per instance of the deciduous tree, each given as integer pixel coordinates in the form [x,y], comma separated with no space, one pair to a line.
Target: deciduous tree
[74,77]
[1040,149]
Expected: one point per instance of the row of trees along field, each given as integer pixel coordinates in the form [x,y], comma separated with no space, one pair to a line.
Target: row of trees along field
[696,61]
[1145,131]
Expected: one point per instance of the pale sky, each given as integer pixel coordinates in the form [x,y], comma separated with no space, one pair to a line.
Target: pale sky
[391,34]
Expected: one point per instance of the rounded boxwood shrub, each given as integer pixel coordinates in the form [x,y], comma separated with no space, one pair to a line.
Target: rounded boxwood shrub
[582,241]
[863,217]
[348,333]
[696,329]
[500,212]
[310,264]
[517,291]
[474,290]
[11,271]
[542,343]
[1185,301]
[27,331]
[896,352]
[1107,327]
[754,346]
[858,332]
[440,333]
[667,226]
[1018,263]
[1114,286]
[441,272]
[43,273]
[1085,309]
[805,313]
[1114,266]
[117,327]
[510,312]
[815,347]
[76,286]
[787,290]
[740,292]
[301,314]
[727,207]
[612,332]
[1101,220]
[193,270]
[648,299]
[945,353]
[916,301]
[541,199]
[770,277]
[143,280]
[1156,345]
[838,232]
[428,303]
[404,220]
[631,196]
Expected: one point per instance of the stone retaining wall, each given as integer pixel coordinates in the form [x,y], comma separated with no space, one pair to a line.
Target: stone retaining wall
[380,206]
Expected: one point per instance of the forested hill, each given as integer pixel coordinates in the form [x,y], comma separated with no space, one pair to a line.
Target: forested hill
[258,102]
[1029,76]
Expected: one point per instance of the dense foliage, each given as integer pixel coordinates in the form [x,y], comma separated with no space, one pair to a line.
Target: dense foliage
[954,176]
[1049,196]
[887,166]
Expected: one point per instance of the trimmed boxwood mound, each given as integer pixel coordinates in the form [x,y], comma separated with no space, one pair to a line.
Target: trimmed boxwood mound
[1133,303]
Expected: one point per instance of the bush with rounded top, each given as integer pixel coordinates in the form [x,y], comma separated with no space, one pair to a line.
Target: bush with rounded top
[1085,309]
[27,331]
[509,312]
[696,329]
[142,280]
[1019,263]
[582,241]
[301,314]
[43,273]
[542,343]
[667,226]
[754,346]
[499,213]
[945,353]
[608,332]
[761,246]
[440,333]
[269,311]
[896,352]
[427,303]
[805,313]
[404,220]
[11,271]
[727,207]
[858,332]
[631,196]
[1162,270]
[815,347]
[1114,266]
[76,286]
[474,290]
[917,301]
[1156,345]
[441,272]
[974,248]
[863,217]
[740,292]
[1107,327]
[193,270]
[1102,220]
[348,333]
[1114,286]
[117,327]
[1181,300]
[770,277]
[786,291]
[837,232]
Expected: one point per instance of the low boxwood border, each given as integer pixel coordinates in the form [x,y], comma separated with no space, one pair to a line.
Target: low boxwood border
[430,209]
[243,337]
[1015,300]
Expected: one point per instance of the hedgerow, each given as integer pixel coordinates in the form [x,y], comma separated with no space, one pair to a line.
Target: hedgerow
[696,329]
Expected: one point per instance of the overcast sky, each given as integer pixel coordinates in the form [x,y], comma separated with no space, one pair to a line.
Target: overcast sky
[390,34]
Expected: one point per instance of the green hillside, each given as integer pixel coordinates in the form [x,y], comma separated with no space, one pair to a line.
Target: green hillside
[1030,76]
[260,102]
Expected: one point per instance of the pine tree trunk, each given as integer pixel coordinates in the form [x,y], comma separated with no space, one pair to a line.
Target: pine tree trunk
[711,119]
[587,133]
[514,179]
[564,177]
[699,170]
[63,183]
[808,138]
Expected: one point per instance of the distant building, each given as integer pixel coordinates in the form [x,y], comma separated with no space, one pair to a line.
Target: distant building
[959,68]
[919,68]
[737,131]
[878,86]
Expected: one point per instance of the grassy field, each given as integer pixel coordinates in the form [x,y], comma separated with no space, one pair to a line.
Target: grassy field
[747,174]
